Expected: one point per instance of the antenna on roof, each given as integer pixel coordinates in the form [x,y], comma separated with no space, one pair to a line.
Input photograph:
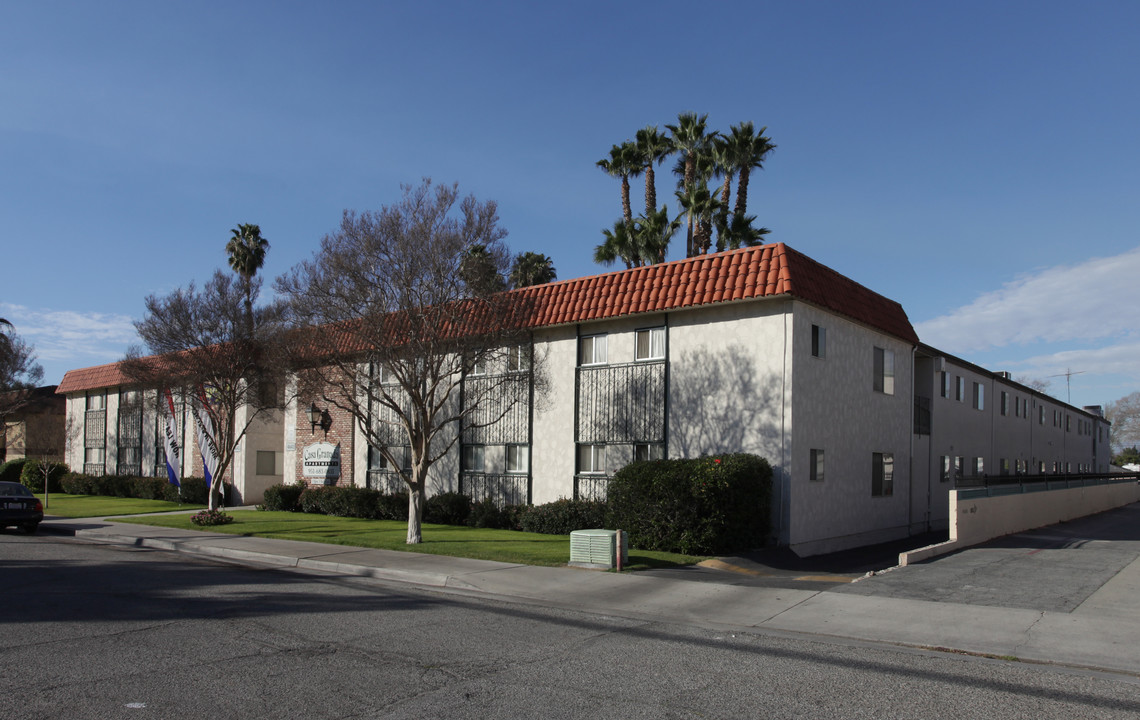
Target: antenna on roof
[1068,375]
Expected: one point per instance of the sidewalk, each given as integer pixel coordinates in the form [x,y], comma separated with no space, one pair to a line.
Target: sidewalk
[1104,634]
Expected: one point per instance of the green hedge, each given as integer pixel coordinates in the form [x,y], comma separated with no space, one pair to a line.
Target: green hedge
[705,506]
[193,492]
[562,517]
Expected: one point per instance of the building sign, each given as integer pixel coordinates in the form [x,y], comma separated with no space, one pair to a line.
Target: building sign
[321,460]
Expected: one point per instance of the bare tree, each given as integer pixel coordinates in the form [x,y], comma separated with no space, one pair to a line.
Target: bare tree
[391,325]
[1124,414]
[202,344]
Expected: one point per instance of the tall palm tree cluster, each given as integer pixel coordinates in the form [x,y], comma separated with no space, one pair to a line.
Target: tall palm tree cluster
[702,157]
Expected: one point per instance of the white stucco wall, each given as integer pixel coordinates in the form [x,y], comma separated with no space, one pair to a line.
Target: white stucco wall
[836,408]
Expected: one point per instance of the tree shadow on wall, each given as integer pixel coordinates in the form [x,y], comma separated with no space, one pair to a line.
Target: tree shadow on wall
[722,404]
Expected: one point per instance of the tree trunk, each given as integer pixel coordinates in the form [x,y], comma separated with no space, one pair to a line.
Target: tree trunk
[742,192]
[650,190]
[415,513]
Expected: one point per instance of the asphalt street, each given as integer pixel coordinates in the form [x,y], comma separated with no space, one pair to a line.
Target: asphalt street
[97,630]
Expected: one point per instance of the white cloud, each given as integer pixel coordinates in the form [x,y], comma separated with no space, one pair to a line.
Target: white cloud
[69,335]
[1091,301]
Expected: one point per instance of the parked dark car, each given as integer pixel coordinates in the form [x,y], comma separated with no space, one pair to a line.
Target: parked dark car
[18,506]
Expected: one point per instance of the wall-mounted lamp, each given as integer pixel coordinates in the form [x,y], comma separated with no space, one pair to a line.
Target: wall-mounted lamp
[319,417]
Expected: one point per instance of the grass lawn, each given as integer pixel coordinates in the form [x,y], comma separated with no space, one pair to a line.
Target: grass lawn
[501,545]
[85,506]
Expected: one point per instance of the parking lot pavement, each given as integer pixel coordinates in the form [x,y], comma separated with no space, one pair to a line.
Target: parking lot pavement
[1058,568]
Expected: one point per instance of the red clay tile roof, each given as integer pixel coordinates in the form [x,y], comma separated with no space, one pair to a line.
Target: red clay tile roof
[100,376]
[745,274]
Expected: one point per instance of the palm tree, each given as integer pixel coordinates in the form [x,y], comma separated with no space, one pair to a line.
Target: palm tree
[531,268]
[247,249]
[701,206]
[479,271]
[750,150]
[654,231]
[622,163]
[621,244]
[652,148]
[724,158]
[738,233]
[689,139]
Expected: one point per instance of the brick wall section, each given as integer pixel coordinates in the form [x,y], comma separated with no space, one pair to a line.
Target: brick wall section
[340,433]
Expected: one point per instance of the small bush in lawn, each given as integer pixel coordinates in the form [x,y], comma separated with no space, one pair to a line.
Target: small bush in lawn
[33,475]
[700,506]
[563,517]
[10,471]
[392,507]
[283,497]
[448,508]
[211,517]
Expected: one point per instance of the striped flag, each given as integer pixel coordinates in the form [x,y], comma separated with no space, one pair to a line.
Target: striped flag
[207,443]
[173,451]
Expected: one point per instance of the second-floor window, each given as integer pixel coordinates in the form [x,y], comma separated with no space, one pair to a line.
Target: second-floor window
[885,371]
[650,344]
[473,458]
[592,350]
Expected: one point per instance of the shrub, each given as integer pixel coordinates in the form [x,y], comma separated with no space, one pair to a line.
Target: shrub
[703,506]
[283,497]
[392,507]
[148,488]
[486,514]
[211,517]
[563,517]
[77,484]
[33,475]
[11,470]
[449,508]
[311,499]
[194,491]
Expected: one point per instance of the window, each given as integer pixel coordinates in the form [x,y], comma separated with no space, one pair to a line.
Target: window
[979,396]
[592,350]
[944,468]
[376,461]
[979,467]
[473,458]
[93,455]
[650,344]
[518,459]
[518,359]
[1004,466]
[960,388]
[478,366]
[592,459]
[1004,403]
[1068,423]
[959,467]
[944,378]
[270,463]
[648,451]
[818,341]
[816,465]
[885,371]
[1041,415]
[96,402]
[1041,467]
[882,474]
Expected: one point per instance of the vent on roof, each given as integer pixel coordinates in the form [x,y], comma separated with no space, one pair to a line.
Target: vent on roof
[596,548]
[1005,375]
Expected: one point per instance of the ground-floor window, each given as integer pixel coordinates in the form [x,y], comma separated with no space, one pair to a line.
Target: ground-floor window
[882,474]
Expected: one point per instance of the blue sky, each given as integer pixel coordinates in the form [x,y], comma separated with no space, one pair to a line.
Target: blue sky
[978,162]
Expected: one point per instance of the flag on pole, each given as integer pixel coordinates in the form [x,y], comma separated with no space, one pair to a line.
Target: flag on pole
[207,440]
[173,450]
